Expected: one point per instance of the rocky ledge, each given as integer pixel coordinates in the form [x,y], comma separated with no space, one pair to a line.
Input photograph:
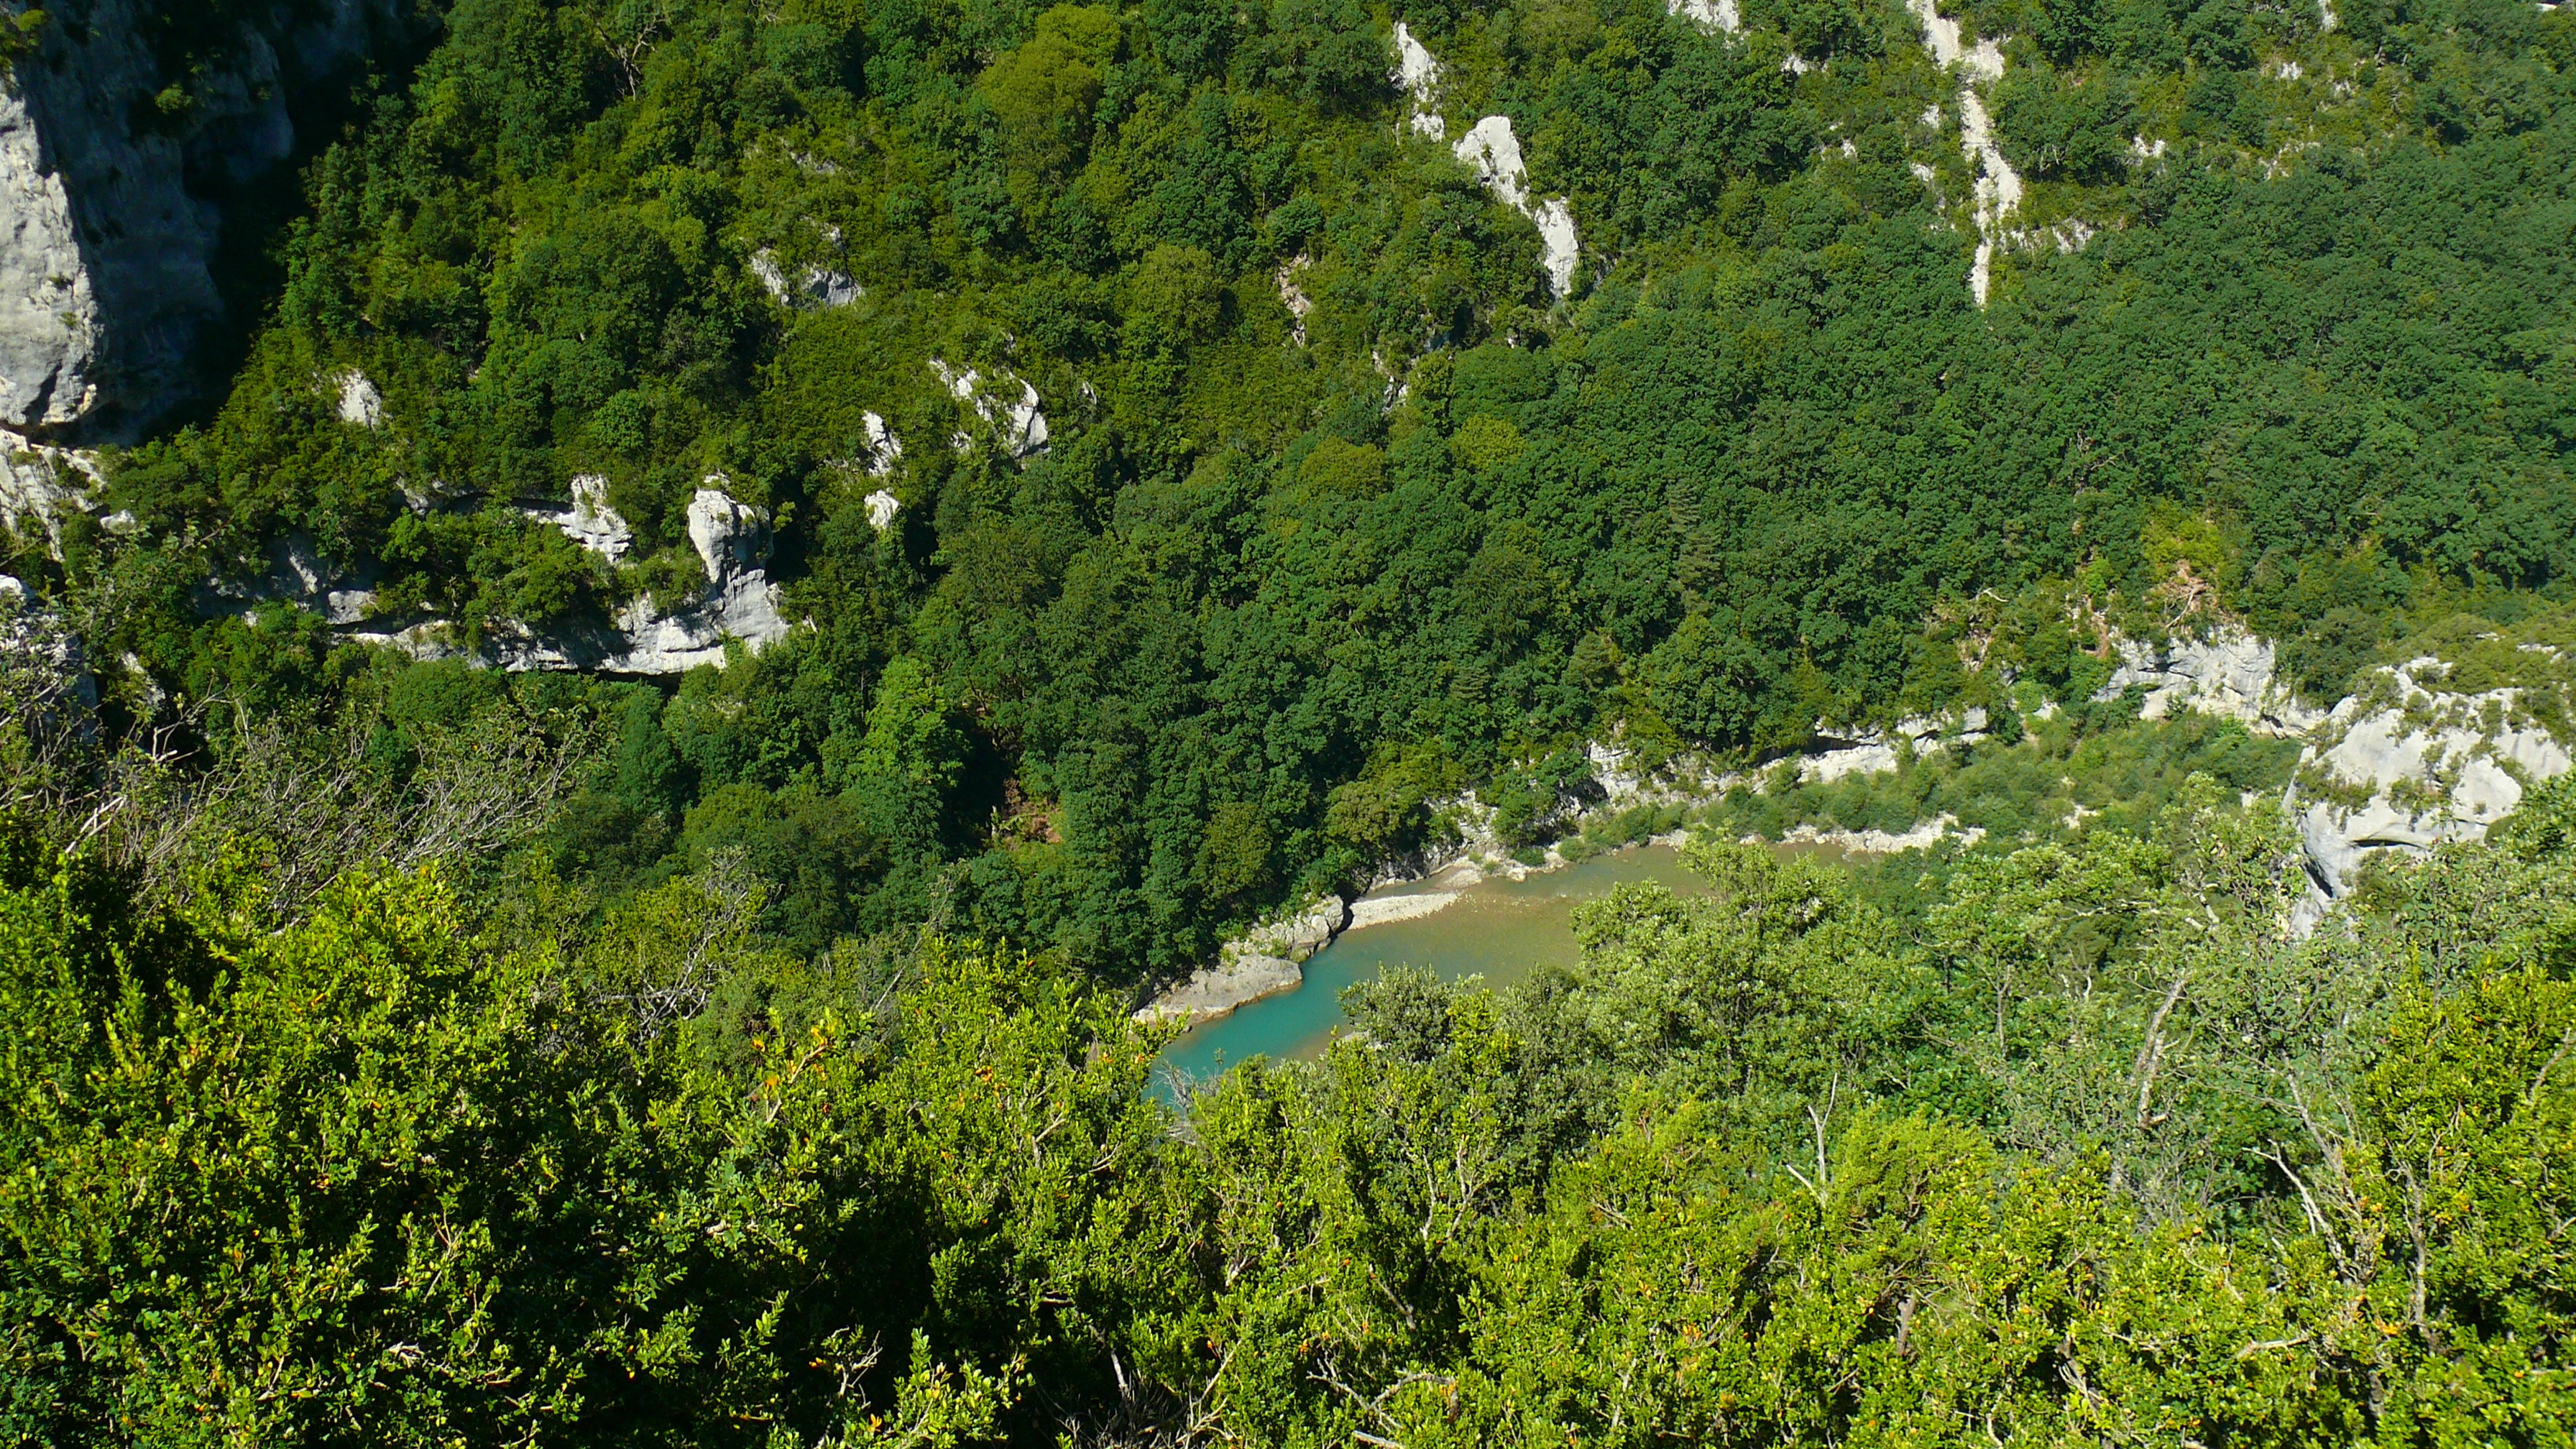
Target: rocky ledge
[2405,765]
[739,604]
[1268,960]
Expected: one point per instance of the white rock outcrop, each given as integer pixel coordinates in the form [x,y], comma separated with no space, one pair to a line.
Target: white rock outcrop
[738,605]
[1922,836]
[591,522]
[41,486]
[1005,404]
[49,323]
[1495,153]
[2231,673]
[1719,15]
[2402,766]
[360,404]
[1998,186]
[884,448]
[1293,296]
[43,664]
[813,287]
[1417,74]
[882,508]
[1266,962]
[109,227]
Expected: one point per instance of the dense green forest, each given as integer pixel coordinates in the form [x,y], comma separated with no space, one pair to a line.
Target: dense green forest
[1280,583]
[323,1128]
[413,1051]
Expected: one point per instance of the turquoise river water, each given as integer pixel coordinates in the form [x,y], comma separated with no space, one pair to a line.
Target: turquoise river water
[1500,929]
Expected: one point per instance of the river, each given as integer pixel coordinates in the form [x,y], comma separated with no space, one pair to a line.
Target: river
[1501,929]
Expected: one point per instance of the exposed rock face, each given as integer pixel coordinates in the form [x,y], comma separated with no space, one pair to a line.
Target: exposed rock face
[108,224]
[1718,14]
[1294,297]
[730,537]
[1491,148]
[2400,766]
[2230,673]
[814,287]
[360,405]
[1998,185]
[1830,758]
[591,523]
[297,574]
[884,448]
[1007,405]
[1495,152]
[48,307]
[738,605]
[1418,75]
[1264,963]
[1924,833]
[882,507]
[41,486]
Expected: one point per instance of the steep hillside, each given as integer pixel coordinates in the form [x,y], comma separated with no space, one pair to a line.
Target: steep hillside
[646,643]
[1149,454]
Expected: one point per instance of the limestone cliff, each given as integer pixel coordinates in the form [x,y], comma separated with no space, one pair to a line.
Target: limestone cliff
[2417,755]
[112,206]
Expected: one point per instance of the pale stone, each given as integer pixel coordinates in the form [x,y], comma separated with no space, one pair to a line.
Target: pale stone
[49,320]
[1718,14]
[883,447]
[730,536]
[814,287]
[360,404]
[108,230]
[1998,189]
[592,523]
[1017,424]
[2231,673]
[2459,760]
[1419,76]
[41,486]
[1294,297]
[1495,153]
[1924,835]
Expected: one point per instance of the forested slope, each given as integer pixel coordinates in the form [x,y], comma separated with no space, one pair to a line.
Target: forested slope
[407,1049]
[1424,528]
[2083,1143]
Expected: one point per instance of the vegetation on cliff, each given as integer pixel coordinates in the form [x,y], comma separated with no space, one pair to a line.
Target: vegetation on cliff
[2080,1142]
[1341,509]
[404,1051]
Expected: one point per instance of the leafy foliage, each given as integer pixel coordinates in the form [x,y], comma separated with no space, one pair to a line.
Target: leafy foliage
[1771,1163]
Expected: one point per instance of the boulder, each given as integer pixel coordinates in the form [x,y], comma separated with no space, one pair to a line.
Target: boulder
[731,537]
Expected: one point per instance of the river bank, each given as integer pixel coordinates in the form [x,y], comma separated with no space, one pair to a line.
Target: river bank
[1495,926]
[1268,960]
